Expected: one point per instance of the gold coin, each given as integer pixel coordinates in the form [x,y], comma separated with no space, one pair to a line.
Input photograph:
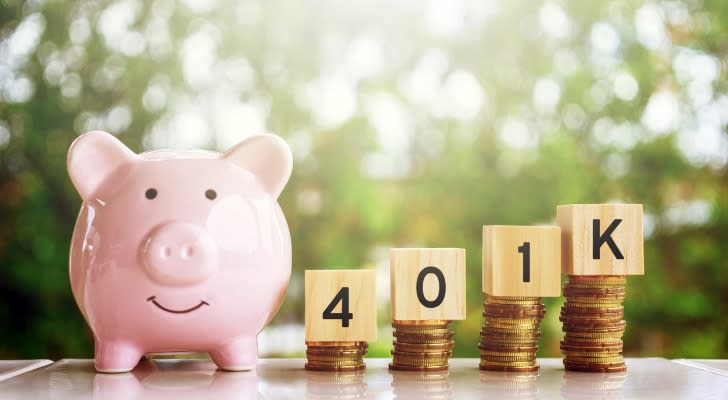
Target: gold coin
[422,339]
[499,368]
[432,322]
[508,354]
[333,351]
[512,325]
[515,301]
[346,368]
[423,347]
[507,364]
[314,358]
[597,302]
[597,278]
[571,354]
[422,331]
[515,329]
[518,321]
[338,363]
[592,342]
[404,354]
[415,362]
[336,343]
[501,339]
[432,368]
[594,334]
[596,360]
[603,307]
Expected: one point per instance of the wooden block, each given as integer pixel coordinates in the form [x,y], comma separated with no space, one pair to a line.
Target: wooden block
[341,305]
[427,284]
[601,239]
[522,261]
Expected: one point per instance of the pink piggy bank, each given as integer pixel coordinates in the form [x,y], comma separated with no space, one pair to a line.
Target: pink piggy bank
[177,251]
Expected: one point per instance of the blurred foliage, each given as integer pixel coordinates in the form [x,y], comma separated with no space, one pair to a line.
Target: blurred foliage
[412,124]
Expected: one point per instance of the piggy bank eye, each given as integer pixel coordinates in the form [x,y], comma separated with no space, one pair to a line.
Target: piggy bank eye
[210,194]
[151,193]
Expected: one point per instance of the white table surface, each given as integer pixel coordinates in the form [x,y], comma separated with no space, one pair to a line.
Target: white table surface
[715,366]
[11,368]
[647,378]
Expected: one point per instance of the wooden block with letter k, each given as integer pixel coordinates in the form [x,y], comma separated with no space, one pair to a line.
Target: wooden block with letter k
[341,305]
[601,239]
[522,261]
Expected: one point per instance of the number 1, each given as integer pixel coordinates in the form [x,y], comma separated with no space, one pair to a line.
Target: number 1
[525,249]
[343,297]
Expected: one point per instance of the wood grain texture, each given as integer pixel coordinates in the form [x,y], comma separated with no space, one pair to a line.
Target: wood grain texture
[577,239]
[503,272]
[407,264]
[321,286]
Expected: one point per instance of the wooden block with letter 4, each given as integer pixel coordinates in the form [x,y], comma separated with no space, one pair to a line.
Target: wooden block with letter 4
[427,284]
[341,305]
[601,239]
[522,261]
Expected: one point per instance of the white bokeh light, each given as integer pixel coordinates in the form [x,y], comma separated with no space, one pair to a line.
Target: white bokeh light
[662,113]
[331,98]
[625,86]
[546,95]
[650,27]
[554,20]
[604,38]
[516,134]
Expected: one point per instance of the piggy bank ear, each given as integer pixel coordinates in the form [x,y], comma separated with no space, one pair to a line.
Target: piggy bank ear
[268,157]
[92,158]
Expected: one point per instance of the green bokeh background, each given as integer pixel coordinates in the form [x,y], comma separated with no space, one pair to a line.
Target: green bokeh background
[412,124]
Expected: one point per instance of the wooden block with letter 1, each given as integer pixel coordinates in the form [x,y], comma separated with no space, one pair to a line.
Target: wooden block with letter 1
[522,261]
[427,284]
[601,239]
[341,305]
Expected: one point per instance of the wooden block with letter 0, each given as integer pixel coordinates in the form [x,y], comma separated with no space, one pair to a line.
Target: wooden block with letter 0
[427,284]
[601,239]
[341,305]
[522,261]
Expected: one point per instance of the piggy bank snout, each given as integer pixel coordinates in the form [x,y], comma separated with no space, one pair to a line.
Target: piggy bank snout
[179,253]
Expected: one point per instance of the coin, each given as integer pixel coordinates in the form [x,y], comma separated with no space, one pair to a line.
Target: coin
[437,322]
[592,323]
[423,347]
[313,367]
[501,368]
[490,347]
[431,368]
[427,332]
[405,354]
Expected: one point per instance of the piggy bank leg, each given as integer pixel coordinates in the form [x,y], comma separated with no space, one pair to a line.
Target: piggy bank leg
[239,355]
[115,357]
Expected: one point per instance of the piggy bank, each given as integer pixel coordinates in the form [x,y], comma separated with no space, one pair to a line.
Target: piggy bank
[179,250]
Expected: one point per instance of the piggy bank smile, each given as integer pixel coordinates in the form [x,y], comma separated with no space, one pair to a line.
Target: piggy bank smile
[154,301]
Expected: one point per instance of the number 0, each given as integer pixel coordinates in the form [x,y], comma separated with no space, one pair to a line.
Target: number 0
[525,249]
[341,297]
[440,287]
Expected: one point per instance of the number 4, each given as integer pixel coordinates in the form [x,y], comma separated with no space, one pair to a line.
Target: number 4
[343,297]
[525,249]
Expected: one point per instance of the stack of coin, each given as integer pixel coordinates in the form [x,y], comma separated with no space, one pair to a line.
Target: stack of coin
[509,339]
[335,356]
[421,345]
[593,323]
